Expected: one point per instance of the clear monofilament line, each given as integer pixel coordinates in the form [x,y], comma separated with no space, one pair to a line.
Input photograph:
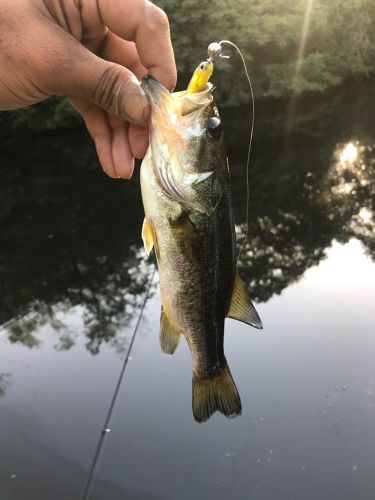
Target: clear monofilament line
[228,42]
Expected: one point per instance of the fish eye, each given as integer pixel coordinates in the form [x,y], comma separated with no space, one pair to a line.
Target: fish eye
[201,66]
[214,127]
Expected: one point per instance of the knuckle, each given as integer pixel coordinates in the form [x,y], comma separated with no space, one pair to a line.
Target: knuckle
[161,19]
[106,91]
[50,67]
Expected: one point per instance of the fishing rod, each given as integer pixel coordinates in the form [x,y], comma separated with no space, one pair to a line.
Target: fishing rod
[107,422]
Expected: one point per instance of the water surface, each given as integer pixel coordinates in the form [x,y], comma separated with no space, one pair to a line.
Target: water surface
[73,277]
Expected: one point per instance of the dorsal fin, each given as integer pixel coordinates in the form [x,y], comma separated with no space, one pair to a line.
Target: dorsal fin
[169,336]
[241,307]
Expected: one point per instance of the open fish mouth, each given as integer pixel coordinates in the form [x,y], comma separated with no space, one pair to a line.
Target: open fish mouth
[180,103]
[156,92]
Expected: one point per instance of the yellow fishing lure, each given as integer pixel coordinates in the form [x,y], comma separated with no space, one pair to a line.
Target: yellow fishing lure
[201,75]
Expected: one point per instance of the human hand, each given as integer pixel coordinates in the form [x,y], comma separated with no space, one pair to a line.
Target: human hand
[48,47]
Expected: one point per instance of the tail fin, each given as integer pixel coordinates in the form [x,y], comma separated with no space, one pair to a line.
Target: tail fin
[217,392]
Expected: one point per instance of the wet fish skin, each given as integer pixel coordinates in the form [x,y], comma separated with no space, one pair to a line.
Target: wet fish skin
[188,219]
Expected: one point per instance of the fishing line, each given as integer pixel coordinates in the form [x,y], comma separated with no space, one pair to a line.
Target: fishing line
[107,422]
[215,52]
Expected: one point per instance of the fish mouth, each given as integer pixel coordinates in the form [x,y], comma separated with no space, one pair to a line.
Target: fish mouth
[179,103]
[177,123]
[155,91]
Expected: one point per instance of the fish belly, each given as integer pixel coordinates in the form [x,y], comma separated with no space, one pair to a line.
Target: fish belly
[195,254]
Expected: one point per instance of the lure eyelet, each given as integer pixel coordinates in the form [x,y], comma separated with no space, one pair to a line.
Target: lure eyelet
[214,128]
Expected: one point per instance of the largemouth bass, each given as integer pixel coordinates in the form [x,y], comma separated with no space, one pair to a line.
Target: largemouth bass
[188,221]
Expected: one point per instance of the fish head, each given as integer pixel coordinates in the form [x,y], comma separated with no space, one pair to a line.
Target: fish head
[187,145]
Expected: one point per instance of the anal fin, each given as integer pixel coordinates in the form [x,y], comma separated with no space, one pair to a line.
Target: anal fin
[169,336]
[241,307]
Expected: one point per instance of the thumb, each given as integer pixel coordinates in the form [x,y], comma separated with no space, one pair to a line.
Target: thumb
[110,86]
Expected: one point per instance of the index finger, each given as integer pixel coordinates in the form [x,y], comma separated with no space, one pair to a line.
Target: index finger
[145,24]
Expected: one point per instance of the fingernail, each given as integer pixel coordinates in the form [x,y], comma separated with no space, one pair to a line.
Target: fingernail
[131,169]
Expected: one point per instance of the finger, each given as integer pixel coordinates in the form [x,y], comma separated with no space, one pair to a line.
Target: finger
[99,128]
[123,159]
[71,69]
[138,140]
[122,52]
[145,24]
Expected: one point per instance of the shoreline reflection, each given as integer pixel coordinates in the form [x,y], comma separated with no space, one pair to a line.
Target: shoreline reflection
[70,238]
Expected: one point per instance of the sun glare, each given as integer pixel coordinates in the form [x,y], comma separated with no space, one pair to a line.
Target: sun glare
[304,35]
[349,154]
[350,169]
[300,56]
[365,215]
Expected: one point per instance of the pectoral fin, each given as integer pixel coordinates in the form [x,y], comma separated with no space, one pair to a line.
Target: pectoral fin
[186,235]
[169,336]
[241,307]
[147,236]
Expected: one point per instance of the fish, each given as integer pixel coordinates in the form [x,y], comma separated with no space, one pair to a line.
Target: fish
[186,193]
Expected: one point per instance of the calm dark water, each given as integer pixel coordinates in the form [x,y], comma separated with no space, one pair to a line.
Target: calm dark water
[73,276]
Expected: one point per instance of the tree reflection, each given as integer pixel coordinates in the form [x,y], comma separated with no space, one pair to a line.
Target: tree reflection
[349,188]
[4,383]
[309,185]
[338,205]
[70,249]
[102,313]
[70,254]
